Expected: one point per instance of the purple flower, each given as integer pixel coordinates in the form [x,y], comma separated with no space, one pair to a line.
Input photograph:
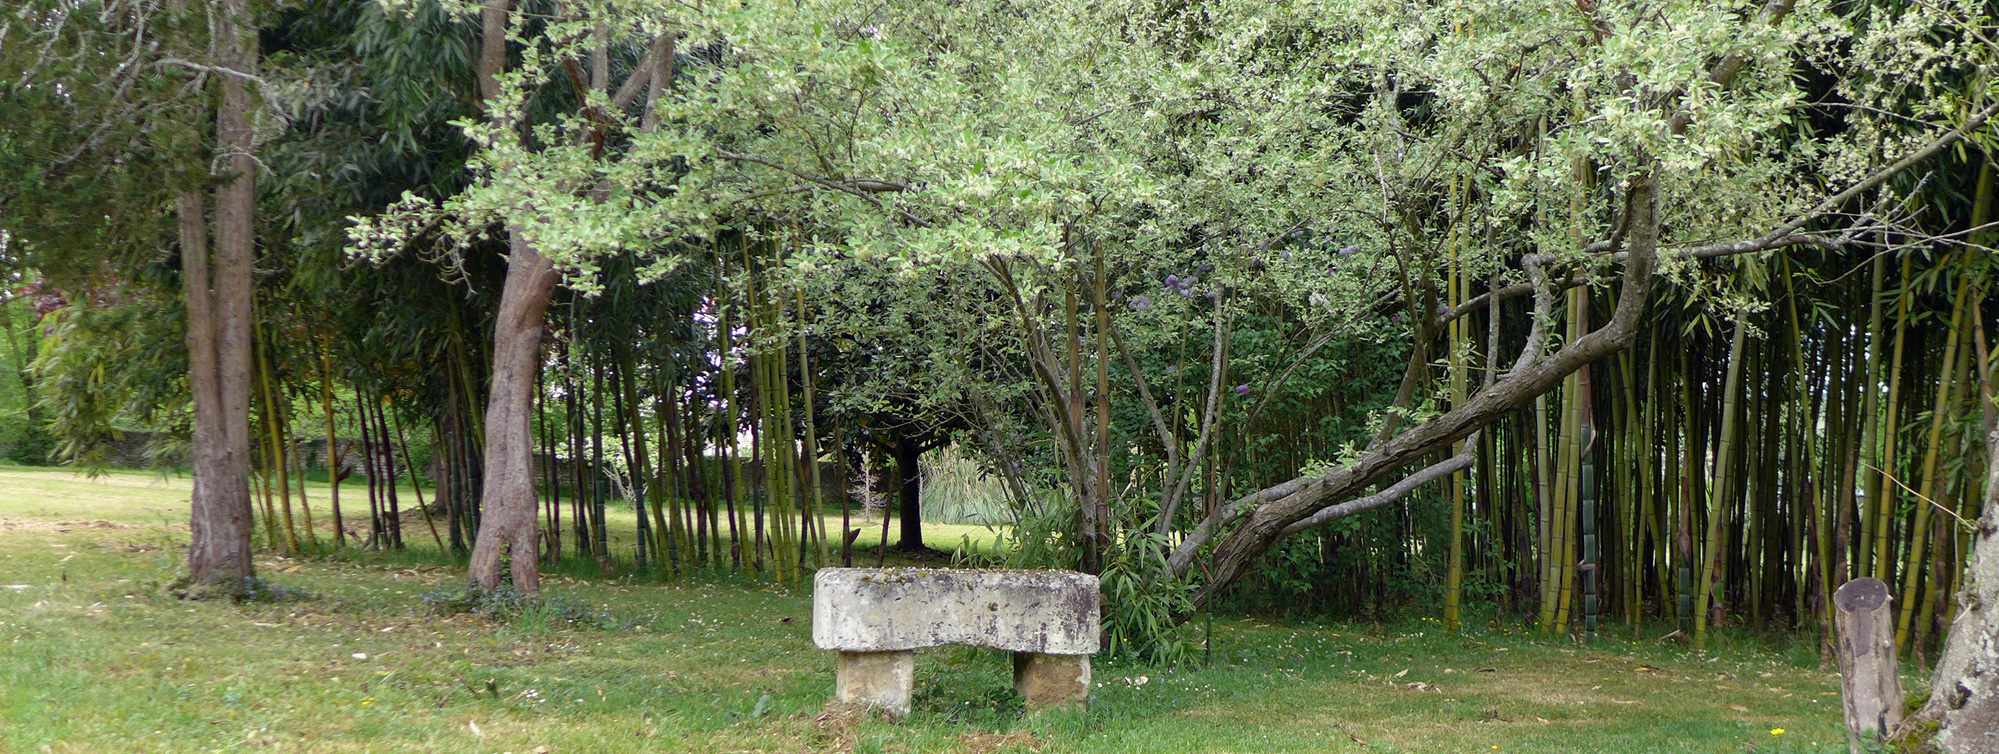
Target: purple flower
[1187,292]
[1443,310]
[1242,389]
[1173,280]
[1141,303]
[1396,318]
[1188,281]
[1285,255]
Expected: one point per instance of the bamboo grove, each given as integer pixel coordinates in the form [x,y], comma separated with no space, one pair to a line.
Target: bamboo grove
[1715,474]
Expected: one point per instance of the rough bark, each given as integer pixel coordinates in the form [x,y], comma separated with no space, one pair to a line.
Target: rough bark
[511,518]
[492,48]
[219,525]
[218,299]
[1964,696]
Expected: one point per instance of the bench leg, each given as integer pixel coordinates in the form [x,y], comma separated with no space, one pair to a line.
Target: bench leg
[1049,681]
[876,679]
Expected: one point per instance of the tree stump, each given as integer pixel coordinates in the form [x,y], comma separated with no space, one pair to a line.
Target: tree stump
[1869,680]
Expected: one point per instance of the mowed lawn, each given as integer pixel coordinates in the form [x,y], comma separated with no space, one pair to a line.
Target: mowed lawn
[98,657]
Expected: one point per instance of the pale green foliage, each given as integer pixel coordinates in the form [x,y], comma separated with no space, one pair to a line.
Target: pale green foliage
[1158,129]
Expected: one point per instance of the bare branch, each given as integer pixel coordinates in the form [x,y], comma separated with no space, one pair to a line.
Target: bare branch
[1208,416]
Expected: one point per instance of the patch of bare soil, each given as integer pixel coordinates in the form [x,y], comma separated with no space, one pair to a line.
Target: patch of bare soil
[60,527]
[991,743]
[834,729]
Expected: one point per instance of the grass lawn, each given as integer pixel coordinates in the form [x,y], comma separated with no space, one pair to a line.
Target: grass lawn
[98,658]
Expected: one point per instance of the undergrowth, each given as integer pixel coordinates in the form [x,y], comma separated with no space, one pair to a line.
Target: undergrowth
[505,604]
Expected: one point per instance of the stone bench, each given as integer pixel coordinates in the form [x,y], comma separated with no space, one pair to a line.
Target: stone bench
[877,617]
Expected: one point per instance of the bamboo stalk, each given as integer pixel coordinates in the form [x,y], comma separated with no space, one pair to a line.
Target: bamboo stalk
[415,482]
[1718,492]
[1884,501]
[811,425]
[1454,580]
[1919,531]
[274,452]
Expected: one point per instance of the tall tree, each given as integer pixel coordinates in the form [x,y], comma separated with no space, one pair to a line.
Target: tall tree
[536,208]
[219,291]
[508,527]
[127,85]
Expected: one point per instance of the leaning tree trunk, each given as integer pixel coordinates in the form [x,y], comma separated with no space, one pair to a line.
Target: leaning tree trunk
[218,333]
[509,525]
[1271,513]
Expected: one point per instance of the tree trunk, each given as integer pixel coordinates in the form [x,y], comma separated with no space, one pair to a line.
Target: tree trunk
[1964,697]
[218,335]
[508,521]
[909,487]
[219,546]
[511,515]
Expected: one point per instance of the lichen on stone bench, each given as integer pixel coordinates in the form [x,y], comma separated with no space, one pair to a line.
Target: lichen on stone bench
[876,617]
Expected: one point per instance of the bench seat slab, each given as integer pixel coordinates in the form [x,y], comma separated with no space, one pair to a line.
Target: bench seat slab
[895,609]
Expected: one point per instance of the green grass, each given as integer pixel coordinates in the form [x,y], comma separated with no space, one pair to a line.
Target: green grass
[97,657]
[124,496]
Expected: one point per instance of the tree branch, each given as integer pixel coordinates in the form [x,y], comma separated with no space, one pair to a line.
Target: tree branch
[1397,491]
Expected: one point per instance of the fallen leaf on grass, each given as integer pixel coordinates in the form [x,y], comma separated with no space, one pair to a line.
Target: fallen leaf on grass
[1737,707]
